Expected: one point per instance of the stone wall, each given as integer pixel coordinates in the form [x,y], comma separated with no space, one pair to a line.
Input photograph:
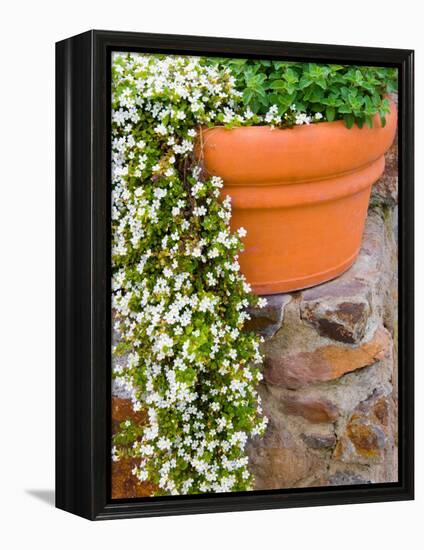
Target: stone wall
[330,372]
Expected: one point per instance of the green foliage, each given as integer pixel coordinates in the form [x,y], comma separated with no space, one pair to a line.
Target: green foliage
[351,93]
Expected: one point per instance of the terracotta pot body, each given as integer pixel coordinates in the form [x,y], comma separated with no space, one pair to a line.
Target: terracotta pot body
[302,194]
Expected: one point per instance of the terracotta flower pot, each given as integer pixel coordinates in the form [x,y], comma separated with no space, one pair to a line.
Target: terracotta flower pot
[301,193]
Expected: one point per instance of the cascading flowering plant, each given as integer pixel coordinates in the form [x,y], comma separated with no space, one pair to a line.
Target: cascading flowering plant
[178,295]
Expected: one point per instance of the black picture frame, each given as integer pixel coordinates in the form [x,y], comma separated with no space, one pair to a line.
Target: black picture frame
[83,320]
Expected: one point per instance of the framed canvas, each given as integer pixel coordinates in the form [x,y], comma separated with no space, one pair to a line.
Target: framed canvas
[234,233]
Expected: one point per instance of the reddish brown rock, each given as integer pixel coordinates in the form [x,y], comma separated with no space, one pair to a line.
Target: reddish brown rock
[368,434]
[369,440]
[325,363]
[316,410]
[124,483]
[381,411]
[122,410]
[362,442]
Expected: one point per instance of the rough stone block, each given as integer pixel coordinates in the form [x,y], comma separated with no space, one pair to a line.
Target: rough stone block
[369,433]
[325,363]
[267,320]
[340,312]
[346,478]
[319,441]
[124,484]
[279,460]
[316,410]
[122,410]
[385,190]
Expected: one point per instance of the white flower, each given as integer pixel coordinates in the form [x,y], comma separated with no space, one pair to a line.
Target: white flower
[207,304]
[272,115]
[214,253]
[216,181]
[302,118]
[143,475]
[199,211]
[262,302]
[197,188]
[246,286]
[161,129]
[164,444]
[115,456]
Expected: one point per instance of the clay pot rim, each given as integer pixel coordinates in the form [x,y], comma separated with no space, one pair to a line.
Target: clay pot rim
[246,155]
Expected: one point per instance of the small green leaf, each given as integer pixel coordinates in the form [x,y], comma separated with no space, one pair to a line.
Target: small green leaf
[290,76]
[304,82]
[330,113]
[247,95]
[349,120]
[368,121]
[277,85]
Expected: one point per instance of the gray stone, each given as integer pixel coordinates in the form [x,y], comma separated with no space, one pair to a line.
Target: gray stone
[385,190]
[340,313]
[319,441]
[346,478]
[119,389]
[267,320]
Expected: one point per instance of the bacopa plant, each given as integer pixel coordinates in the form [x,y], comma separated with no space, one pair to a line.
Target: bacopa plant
[324,92]
[179,297]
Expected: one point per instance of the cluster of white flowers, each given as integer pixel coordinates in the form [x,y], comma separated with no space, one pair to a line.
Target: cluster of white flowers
[178,295]
[293,116]
[272,116]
